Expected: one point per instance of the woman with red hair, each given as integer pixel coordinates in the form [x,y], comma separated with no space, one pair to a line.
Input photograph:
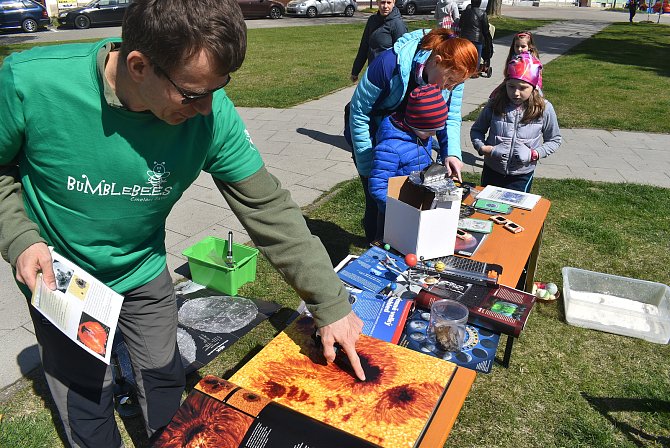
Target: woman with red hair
[418,58]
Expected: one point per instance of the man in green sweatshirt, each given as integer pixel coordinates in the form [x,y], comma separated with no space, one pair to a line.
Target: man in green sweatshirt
[97,143]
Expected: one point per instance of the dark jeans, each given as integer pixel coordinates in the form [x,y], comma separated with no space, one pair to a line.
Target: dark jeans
[632,12]
[479,46]
[519,182]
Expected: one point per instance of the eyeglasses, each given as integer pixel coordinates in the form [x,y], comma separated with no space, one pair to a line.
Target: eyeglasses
[189,97]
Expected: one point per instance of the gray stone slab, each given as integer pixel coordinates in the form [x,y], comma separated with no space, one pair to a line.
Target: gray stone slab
[304,196]
[276,125]
[313,150]
[291,137]
[19,355]
[204,180]
[604,161]
[346,168]
[13,308]
[325,180]
[597,174]
[287,178]
[655,178]
[284,115]
[340,155]
[212,197]
[554,172]
[299,165]
[193,216]
[270,146]
[173,238]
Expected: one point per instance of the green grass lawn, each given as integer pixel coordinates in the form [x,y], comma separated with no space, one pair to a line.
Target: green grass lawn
[288,66]
[565,387]
[616,80]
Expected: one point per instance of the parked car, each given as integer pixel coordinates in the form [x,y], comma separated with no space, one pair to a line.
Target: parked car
[98,12]
[261,8]
[313,8]
[462,4]
[24,14]
[411,7]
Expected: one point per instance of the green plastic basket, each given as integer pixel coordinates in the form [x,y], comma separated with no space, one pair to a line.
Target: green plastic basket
[207,261]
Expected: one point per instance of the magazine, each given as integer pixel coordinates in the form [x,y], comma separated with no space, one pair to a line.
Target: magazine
[82,307]
[514,198]
[407,399]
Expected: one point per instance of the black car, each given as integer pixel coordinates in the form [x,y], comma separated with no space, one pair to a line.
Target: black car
[98,12]
[24,14]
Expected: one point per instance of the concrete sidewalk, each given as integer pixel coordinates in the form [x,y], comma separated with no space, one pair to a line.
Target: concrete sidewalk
[303,146]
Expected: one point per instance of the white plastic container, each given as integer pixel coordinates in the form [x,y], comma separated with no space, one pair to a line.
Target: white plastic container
[619,305]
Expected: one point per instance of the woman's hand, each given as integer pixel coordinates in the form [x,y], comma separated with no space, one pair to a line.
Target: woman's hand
[454,167]
[354,78]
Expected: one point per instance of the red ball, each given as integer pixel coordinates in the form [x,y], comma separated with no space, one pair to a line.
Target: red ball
[410,259]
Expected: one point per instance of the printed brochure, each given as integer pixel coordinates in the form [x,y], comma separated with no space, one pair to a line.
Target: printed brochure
[82,307]
[517,199]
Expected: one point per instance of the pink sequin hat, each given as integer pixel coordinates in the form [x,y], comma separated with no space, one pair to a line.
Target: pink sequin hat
[525,67]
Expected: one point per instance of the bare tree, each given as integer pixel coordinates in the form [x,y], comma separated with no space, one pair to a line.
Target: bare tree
[494,8]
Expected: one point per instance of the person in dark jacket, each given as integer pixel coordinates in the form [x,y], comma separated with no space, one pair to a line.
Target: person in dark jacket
[474,26]
[405,143]
[381,32]
[632,9]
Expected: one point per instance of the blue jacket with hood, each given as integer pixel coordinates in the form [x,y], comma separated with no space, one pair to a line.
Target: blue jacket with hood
[397,153]
[382,89]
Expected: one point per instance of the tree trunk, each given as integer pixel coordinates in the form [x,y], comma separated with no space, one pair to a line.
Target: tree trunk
[494,8]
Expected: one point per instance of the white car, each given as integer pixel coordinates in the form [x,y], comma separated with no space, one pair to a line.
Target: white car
[313,8]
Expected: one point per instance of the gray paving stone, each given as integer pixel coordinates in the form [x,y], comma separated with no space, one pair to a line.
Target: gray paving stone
[287,178]
[299,165]
[192,216]
[325,180]
[554,172]
[19,355]
[346,168]
[304,196]
[655,178]
[597,174]
[270,146]
[173,238]
[340,155]
[284,115]
[13,311]
[604,161]
[314,150]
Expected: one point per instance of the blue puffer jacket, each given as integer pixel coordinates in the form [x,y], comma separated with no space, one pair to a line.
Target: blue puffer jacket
[381,90]
[398,153]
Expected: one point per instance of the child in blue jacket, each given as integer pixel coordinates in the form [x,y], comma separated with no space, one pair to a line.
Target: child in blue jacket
[405,143]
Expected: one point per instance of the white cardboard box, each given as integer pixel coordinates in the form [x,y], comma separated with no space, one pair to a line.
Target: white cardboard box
[412,227]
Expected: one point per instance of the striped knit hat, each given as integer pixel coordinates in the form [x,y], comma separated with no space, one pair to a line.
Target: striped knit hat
[426,109]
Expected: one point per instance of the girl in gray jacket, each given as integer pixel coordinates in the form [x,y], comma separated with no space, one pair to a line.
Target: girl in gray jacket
[522,127]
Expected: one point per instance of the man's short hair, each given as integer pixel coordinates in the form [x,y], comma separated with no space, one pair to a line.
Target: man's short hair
[170,32]
[476,3]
